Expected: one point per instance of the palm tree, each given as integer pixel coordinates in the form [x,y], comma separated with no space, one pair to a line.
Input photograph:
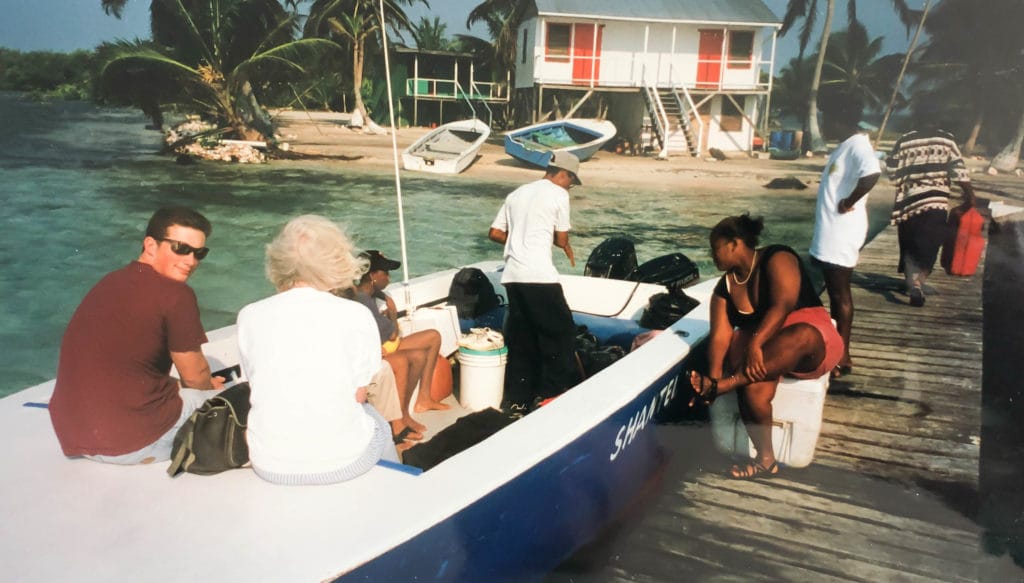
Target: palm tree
[430,35]
[209,56]
[789,89]
[352,23]
[808,11]
[963,78]
[853,67]
[502,19]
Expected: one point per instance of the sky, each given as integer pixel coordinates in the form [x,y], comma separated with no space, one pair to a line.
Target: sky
[67,25]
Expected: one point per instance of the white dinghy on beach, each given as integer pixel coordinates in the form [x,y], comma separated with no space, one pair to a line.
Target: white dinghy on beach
[448,149]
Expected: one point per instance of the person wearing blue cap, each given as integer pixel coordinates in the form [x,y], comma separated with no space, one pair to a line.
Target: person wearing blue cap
[539,331]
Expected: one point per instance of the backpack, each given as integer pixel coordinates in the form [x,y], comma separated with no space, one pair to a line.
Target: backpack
[213,438]
[665,308]
[591,357]
[472,293]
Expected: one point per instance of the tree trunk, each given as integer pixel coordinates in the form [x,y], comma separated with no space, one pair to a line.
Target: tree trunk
[357,79]
[358,59]
[814,131]
[255,117]
[1007,160]
[972,139]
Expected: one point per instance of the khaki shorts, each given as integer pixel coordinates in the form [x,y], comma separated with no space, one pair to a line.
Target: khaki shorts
[382,393]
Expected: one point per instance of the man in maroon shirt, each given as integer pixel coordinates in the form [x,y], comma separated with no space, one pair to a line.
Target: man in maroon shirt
[114,399]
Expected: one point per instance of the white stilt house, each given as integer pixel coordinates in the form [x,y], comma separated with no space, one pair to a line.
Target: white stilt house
[700,69]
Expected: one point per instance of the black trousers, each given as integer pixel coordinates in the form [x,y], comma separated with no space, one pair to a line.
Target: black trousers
[539,334]
[920,238]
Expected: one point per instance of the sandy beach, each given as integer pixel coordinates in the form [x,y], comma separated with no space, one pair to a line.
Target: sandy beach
[333,139]
[329,136]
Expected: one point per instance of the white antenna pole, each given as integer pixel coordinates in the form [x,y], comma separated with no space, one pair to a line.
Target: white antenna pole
[394,145]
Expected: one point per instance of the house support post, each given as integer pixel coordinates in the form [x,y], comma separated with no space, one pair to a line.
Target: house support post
[416,91]
[579,103]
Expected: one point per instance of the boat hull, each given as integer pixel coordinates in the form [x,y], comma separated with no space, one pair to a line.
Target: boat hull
[526,528]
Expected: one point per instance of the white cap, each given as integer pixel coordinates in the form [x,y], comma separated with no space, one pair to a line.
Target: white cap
[568,162]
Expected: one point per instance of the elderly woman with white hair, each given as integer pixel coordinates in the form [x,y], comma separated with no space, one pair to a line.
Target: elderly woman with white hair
[309,356]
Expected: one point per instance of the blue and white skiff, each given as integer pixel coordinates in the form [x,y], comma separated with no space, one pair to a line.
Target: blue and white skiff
[510,508]
[536,144]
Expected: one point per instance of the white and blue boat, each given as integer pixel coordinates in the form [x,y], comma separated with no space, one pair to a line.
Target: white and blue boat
[537,143]
[509,508]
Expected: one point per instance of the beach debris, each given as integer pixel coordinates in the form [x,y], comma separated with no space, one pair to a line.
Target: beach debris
[206,145]
[787,183]
[717,154]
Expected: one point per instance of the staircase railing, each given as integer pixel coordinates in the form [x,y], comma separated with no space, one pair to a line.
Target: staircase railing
[686,108]
[658,117]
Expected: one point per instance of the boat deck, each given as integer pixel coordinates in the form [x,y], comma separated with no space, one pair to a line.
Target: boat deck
[892,492]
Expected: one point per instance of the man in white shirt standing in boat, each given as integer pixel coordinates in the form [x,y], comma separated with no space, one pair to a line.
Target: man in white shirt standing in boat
[114,400]
[539,332]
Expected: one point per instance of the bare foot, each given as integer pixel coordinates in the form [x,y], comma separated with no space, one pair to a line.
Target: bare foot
[842,369]
[428,405]
[705,388]
[413,424]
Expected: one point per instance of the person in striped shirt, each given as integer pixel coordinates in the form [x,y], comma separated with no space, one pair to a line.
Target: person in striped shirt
[925,164]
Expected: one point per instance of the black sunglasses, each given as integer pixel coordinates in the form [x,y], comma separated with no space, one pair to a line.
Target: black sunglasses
[180,248]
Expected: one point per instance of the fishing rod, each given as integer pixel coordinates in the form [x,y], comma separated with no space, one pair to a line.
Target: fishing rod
[394,155]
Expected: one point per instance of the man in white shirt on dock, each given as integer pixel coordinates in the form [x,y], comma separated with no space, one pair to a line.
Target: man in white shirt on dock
[841,216]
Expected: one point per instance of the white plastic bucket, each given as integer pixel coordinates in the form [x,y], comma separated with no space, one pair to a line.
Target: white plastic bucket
[481,377]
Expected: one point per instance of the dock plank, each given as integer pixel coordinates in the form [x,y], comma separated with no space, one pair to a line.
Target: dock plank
[889,495]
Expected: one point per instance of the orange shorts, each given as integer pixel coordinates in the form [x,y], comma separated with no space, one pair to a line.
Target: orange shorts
[819,318]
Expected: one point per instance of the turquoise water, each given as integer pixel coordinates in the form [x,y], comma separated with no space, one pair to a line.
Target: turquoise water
[80,183]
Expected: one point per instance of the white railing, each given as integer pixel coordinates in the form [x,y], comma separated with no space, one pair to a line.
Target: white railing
[686,111]
[436,87]
[658,70]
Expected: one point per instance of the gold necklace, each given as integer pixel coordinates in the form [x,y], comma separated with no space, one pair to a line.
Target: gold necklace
[753,262]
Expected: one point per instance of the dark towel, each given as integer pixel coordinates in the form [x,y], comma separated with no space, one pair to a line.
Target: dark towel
[465,433]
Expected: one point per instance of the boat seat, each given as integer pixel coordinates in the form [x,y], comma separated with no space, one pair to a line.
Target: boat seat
[442,150]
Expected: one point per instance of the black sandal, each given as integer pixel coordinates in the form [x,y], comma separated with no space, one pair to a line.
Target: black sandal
[754,471]
[706,396]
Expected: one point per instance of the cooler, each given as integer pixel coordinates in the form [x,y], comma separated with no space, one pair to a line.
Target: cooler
[797,411]
[444,319]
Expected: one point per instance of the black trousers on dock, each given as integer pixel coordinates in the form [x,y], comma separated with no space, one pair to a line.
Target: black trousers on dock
[539,335]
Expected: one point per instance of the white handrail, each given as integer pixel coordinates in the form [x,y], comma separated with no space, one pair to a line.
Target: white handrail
[696,116]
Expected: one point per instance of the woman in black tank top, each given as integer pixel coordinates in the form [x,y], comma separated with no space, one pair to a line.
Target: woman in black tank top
[766,321]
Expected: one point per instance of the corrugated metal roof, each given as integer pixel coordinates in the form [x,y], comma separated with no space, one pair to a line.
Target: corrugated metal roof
[721,11]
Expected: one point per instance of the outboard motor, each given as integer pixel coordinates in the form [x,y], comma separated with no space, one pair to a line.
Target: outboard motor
[674,271]
[614,258]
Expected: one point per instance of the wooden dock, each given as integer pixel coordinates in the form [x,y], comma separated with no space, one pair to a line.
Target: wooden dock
[892,492]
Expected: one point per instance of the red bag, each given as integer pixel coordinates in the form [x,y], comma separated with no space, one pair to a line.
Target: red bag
[962,252]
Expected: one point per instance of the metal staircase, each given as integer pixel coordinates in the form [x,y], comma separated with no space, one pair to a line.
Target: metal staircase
[677,111]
